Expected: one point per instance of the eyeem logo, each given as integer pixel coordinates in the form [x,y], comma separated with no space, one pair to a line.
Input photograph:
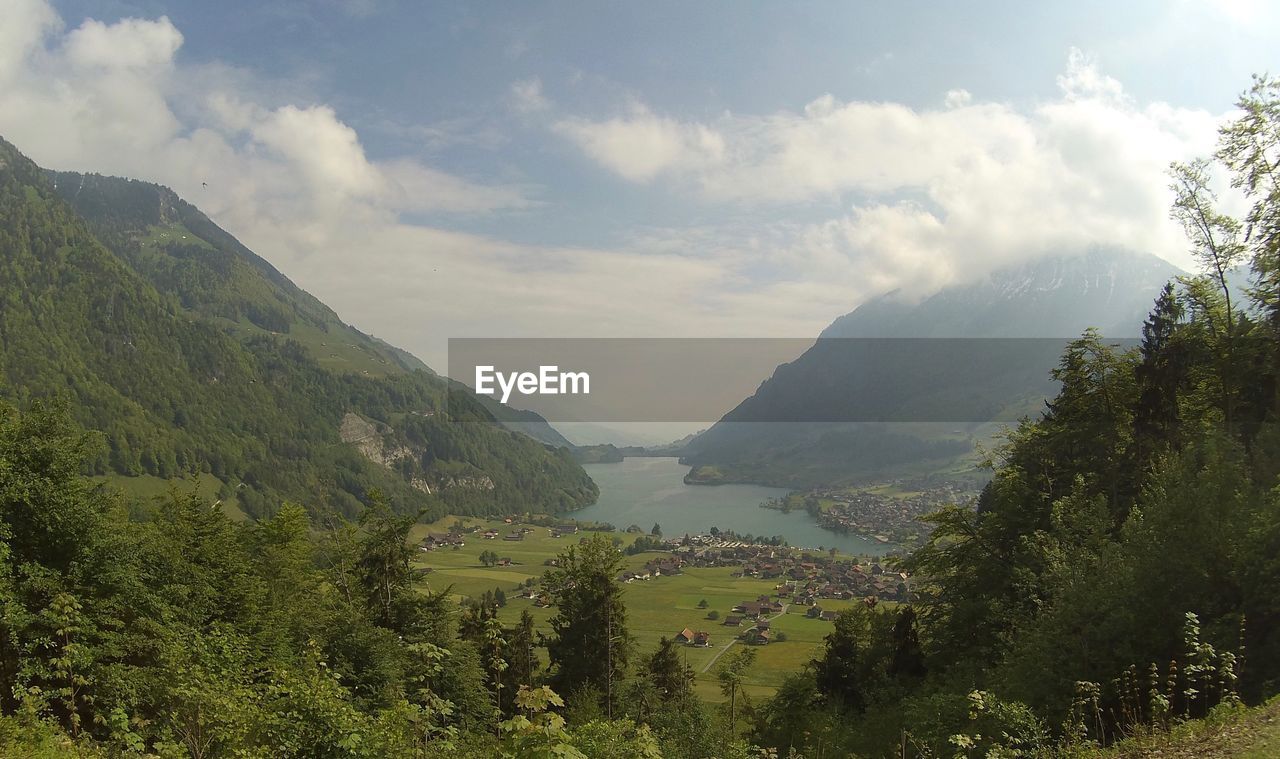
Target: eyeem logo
[548,380]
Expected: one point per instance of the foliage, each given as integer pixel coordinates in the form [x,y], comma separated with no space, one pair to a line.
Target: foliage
[589,646]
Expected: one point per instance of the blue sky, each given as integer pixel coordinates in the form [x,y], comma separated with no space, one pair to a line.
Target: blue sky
[563,169]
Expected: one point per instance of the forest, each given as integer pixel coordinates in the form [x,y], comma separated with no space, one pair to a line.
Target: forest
[189,355]
[1120,575]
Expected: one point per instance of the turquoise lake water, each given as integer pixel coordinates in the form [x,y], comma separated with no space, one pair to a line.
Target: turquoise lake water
[643,491]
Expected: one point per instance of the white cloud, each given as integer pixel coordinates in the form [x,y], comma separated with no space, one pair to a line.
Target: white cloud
[640,145]
[527,97]
[929,196]
[110,98]
[26,24]
[936,193]
[130,43]
[957,98]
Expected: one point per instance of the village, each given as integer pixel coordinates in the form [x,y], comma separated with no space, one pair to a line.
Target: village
[889,514]
[803,579]
[706,591]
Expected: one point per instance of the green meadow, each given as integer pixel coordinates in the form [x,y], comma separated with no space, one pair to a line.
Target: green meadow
[662,606]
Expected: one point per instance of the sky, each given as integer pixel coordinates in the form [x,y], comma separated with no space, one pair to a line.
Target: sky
[718,169]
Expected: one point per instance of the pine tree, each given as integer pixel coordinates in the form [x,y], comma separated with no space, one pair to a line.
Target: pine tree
[589,642]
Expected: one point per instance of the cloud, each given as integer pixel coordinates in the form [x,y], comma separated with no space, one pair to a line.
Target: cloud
[27,22]
[966,187]
[527,97]
[957,98]
[111,98]
[640,145]
[130,43]
[922,197]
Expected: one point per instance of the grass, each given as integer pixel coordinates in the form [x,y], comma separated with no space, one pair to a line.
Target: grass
[656,608]
[1227,733]
[148,487]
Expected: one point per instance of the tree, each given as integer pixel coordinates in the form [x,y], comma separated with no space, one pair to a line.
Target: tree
[589,643]
[908,656]
[1161,374]
[522,658]
[384,560]
[670,677]
[1217,245]
[703,604]
[731,674]
[656,531]
[836,672]
[713,615]
[1249,147]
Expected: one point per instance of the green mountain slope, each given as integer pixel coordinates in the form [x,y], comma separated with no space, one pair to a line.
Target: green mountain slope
[191,354]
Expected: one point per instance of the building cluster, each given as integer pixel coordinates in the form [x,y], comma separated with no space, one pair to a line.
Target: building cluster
[803,578]
[442,540]
[886,518]
[662,565]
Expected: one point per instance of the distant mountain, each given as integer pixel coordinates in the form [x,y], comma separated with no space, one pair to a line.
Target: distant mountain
[190,354]
[844,377]
[1110,290]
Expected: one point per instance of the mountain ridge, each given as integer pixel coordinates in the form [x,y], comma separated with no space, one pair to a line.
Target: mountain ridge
[1053,297]
[190,354]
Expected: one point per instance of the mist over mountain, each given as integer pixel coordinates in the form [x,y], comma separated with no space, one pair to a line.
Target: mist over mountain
[926,399]
[1110,290]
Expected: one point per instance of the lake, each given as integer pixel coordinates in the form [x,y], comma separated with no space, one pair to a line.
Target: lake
[643,491]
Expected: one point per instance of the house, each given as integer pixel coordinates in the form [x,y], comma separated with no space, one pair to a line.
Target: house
[490,534]
[814,612]
[758,637]
[732,621]
[763,624]
[517,535]
[685,636]
[829,616]
[440,540]
[702,639]
[504,562]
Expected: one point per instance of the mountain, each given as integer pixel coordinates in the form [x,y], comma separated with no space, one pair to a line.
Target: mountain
[189,354]
[900,387]
[1060,296]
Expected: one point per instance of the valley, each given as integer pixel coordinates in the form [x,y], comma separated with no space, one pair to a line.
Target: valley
[659,605]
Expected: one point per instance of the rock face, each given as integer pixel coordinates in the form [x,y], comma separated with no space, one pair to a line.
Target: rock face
[372,440]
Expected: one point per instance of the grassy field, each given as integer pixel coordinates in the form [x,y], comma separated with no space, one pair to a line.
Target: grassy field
[659,607]
[147,487]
